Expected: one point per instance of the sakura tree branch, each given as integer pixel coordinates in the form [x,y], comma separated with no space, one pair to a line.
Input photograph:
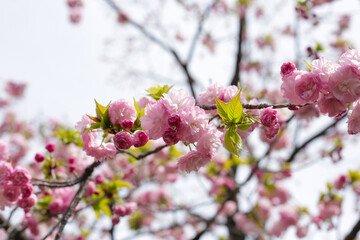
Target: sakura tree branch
[13,232]
[144,155]
[354,231]
[199,30]
[68,212]
[258,106]
[71,182]
[321,133]
[237,78]
[154,39]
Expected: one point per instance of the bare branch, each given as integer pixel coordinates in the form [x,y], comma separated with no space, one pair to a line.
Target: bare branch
[354,231]
[144,155]
[199,30]
[154,39]
[323,132]
[258,106]
[236,78]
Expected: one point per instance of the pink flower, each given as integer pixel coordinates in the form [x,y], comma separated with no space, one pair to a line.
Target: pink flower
[20,176]
[264,205]
[6,172]
[289,215]
[287,68]
[288,88]
[246,225]
[170,136]
[50,147]
[324,68]
[130,207]
[95,148]
[301,231]
[90,189]
[123,140]
[308,112]
[192,161]
[32,223]
[11,192]
[26,190]
[350,57]
[345,84]
[269,117]
[15,89]
[177,100]
[329,208]
[271,132]
[209,141]
[39,157]
[354,118]
[4,150]
[57,206]
[27,202]
[140,139]
[195,121]
[277,228]
[330,105]
[340,182]
[155,119]
[121,110]
[228,93]
[307,86]
[127,124]
[83,123]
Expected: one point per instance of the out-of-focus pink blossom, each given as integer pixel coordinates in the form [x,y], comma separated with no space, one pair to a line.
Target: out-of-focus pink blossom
[246,225]
[192,161]
[20,176]
[15,89]
[329,208]
[6,172]
[301,231]
[264,205]
[289,215]
[4,150]
[277,228]
[340,182]
[50,147]
[11,192]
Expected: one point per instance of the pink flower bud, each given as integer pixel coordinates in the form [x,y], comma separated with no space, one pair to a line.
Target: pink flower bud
[99,179]
[20,176]
[340,182]
[72,167]
[72,160]
[123,140]
[26,190]
[27,203]
[127,124]
[174,121]
[140,139]
[39,157]
[170,136]
[56,206]
[50,147]
[287,68]
[115,220]
[91,187]
[130,207]
[6,172]
[301,231]
[122,18]
[269,117]
[120,210]
[11,192]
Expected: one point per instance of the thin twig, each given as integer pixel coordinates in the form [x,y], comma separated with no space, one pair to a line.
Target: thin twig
[259,106]
[354,231]
[237,77]
[144,155]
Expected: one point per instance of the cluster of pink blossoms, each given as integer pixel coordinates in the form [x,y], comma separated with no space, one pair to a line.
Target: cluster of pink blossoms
[174,117]
[15,187]
[330,86]
[123,210]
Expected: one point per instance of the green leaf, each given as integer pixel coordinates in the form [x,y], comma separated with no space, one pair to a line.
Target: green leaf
[157,92]
[106,118]
[307,64]
[233,141]
[95,119]
[100,109]
[104,206]
[222,109]
[235,109]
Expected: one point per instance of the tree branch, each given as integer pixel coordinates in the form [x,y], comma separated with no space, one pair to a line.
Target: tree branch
[236,78]
[258,106]
[199,30]
[354,231]
[157,41]
[13,232]
[297,149]
[71,182]
[144,155]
